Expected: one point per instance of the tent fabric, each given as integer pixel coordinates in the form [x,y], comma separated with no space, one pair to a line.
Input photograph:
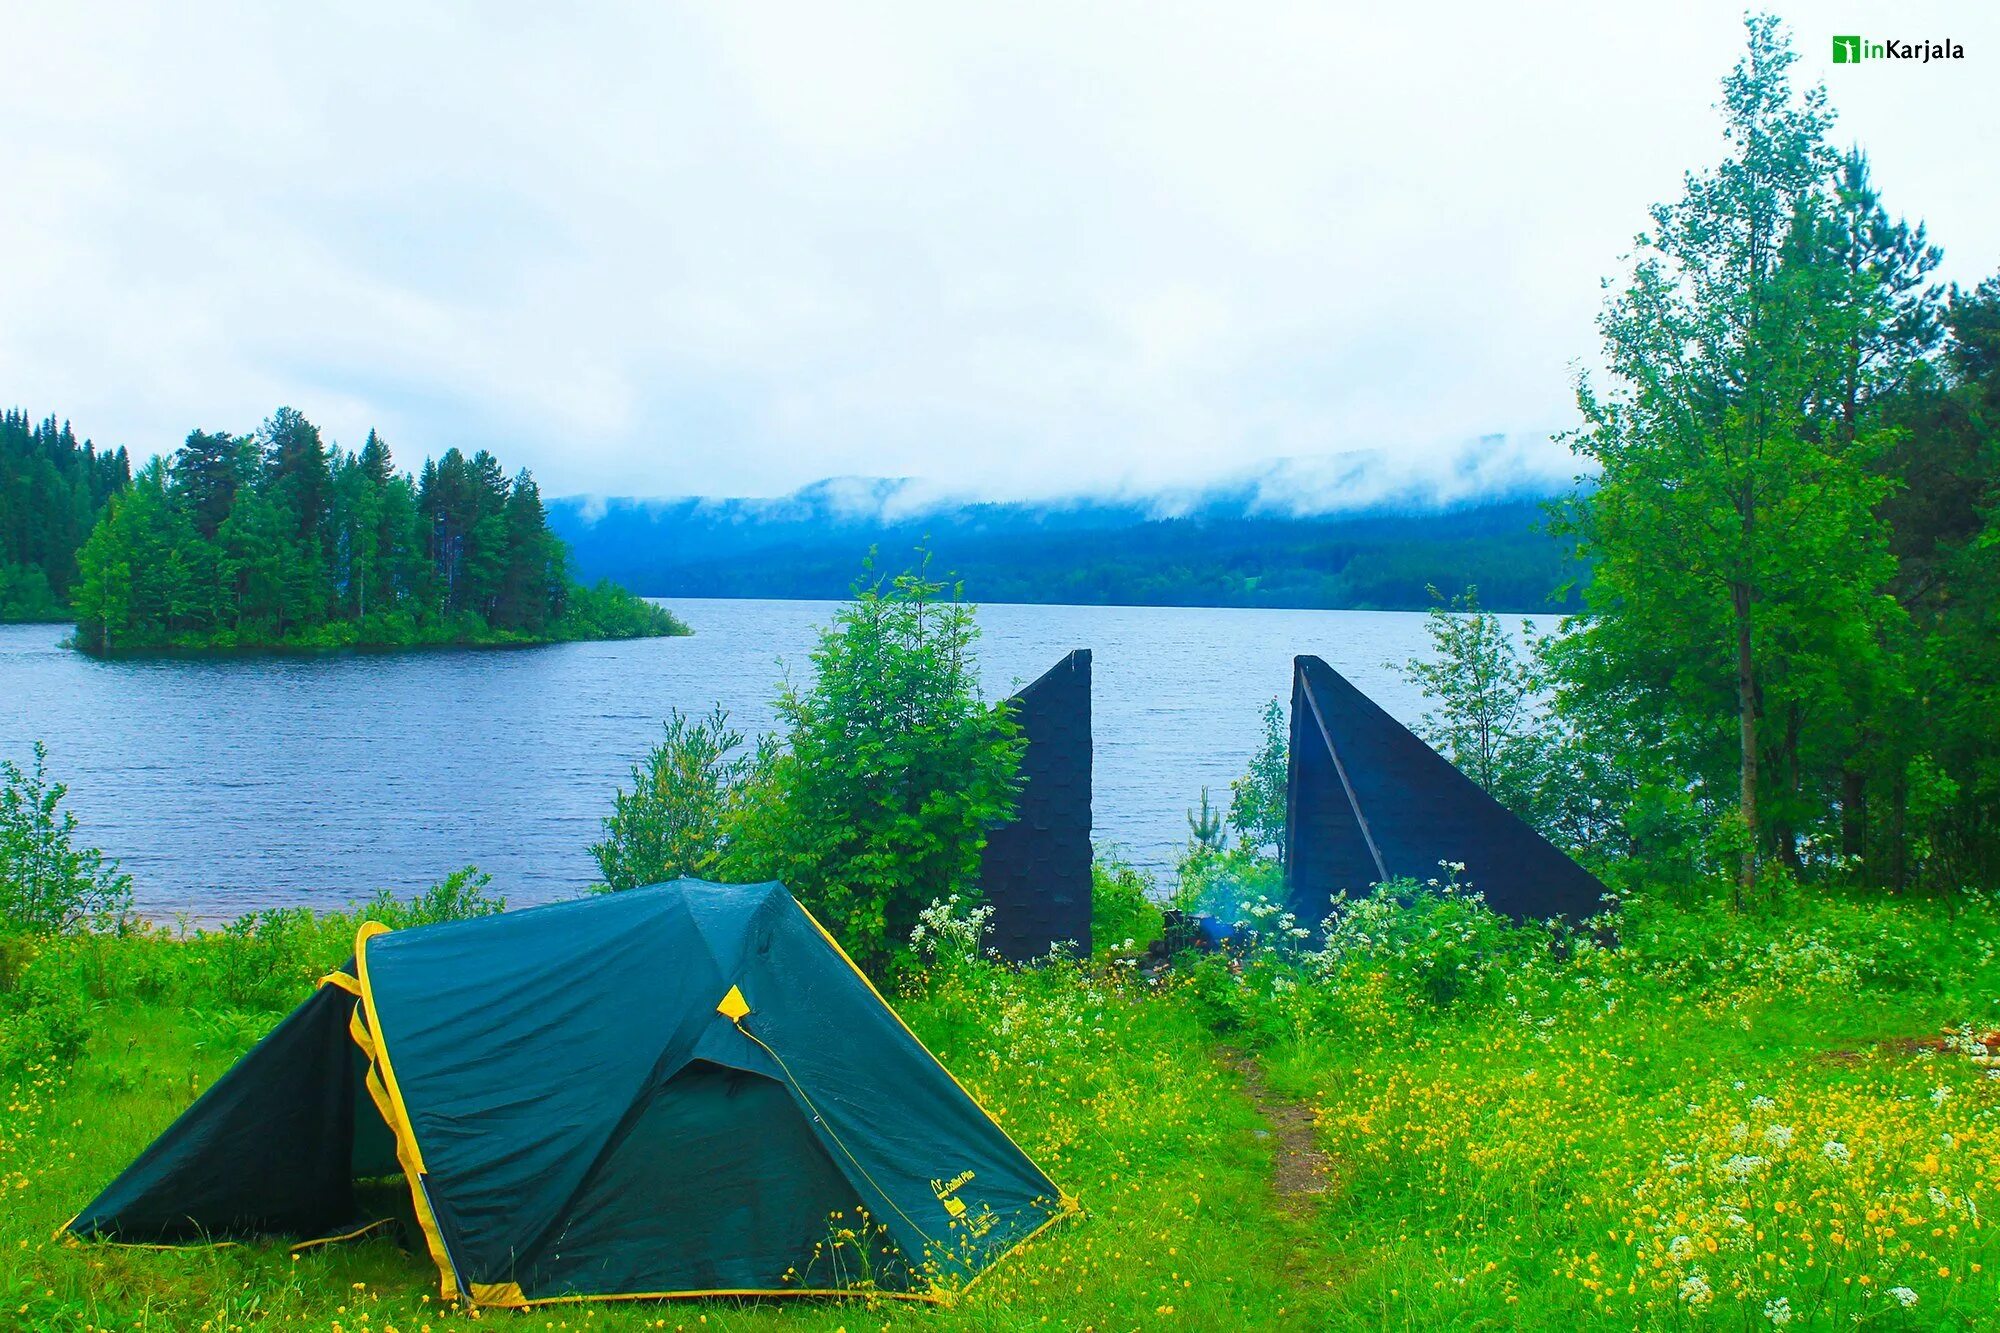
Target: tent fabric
[1368,801]
[680,1090]
[273,1146]
[1035,871]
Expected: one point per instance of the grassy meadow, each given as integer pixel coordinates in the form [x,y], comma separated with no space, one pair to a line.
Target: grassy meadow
[1779,1123]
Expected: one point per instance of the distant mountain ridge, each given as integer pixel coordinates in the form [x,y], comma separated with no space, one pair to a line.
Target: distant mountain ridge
[1250,542]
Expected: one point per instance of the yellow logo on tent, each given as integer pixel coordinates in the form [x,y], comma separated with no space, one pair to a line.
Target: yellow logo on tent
[946,1189]
[733,1006]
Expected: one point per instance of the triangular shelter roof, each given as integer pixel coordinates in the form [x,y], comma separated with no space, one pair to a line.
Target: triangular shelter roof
[1368,801]
[687,1089]
[1035,871]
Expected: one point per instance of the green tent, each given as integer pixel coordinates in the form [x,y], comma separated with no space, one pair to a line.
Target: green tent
[674,1091]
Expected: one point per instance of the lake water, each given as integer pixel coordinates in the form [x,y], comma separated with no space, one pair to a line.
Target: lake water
[228,785]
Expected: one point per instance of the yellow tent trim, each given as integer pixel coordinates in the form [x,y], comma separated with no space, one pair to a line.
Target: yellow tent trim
[357,1029]
[342,980]
[508,1295]
[389,1101]
[733,1006]
[355,1234]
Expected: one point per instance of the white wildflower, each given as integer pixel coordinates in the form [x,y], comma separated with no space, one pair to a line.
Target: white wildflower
[1695,1290]
[1940,1095]
[1778,1311]
[1904,1296]
[1778,1136]
[1836,1151]
[1762,1103]
[1739,1132]
[1742,1165]
[1680,1247]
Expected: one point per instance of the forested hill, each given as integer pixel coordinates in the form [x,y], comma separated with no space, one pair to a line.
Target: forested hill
[1222,551]
[52,488]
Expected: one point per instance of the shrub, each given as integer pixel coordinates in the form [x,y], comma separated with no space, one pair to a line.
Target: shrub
[603,610]
[893,769]
[670,824]
[268,960]
[1123,914]
[44,1016]
[459,896]
[1438,941]
[47,883]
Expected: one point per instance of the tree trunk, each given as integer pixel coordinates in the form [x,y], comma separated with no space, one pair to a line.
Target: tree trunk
[1853,812]
[1746,720]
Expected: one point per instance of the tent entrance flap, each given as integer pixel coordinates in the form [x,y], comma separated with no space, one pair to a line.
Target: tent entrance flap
[687,1200]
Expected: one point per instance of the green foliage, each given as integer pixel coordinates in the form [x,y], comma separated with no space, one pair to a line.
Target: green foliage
[670,824]
[1741,655]
[459,896]
[44,1019]
[1207,834]
[279,541]
[893,768]
[1482,689]
[1214,877]
[25,595]
[603,610]
[266,961]
[52,490]
[48,884]
[949,938]
[1124,906]
[1257,799]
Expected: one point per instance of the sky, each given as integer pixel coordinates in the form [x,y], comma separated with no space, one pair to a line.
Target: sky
[1011,250]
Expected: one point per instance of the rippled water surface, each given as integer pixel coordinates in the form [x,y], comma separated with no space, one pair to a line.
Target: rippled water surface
[228,785]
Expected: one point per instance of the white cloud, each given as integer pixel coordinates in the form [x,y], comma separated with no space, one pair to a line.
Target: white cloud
[1020,249]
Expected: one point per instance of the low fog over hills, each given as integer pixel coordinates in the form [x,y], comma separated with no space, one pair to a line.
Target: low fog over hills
[1349,530]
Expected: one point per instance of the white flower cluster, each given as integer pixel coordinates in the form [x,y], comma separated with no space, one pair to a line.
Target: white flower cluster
[946,935]
[1742,1166]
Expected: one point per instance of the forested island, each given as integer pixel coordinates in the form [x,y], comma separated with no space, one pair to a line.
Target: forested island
[276,540]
